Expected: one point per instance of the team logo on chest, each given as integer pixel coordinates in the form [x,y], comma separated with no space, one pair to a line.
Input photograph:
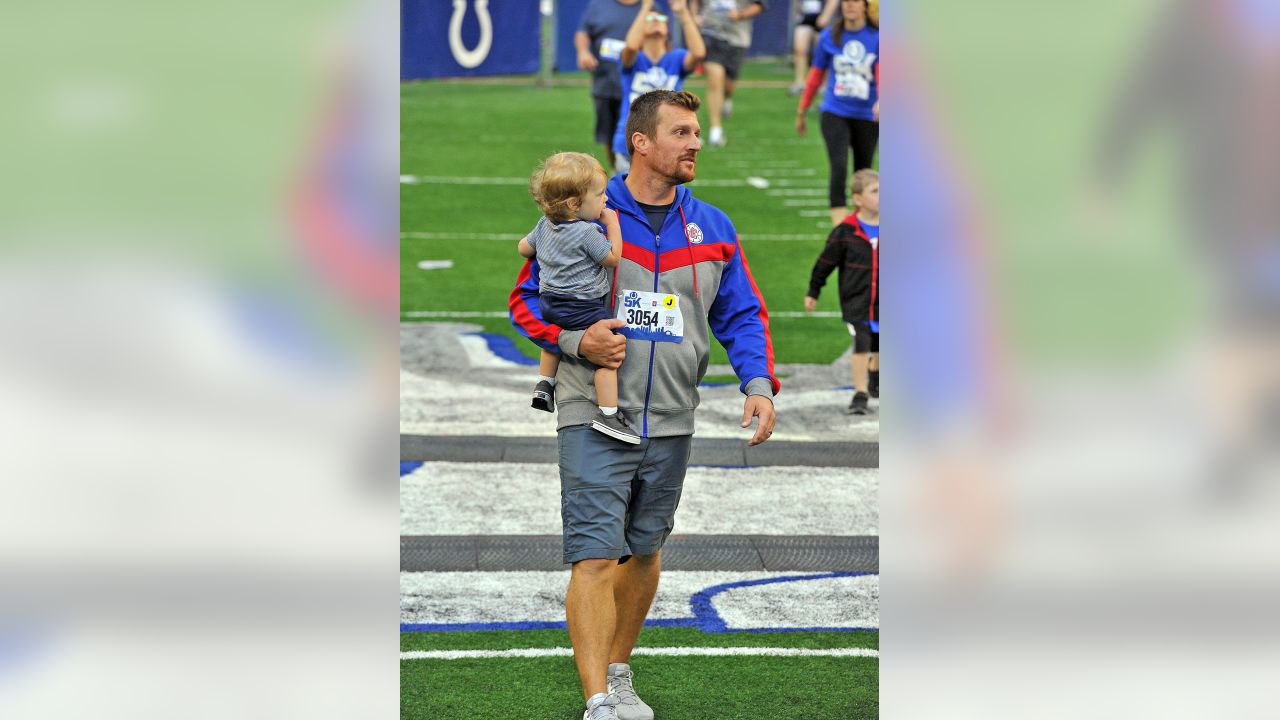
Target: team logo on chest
[694,232]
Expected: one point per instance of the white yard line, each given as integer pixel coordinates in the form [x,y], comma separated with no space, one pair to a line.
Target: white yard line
[797,191]
[708,182]
[503,313]
[513,237]
[661,651]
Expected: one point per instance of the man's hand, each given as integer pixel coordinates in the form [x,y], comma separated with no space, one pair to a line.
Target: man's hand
[759,405]
[587,61]
[810,303]
[678,7]
[875,111]
[601,346]
[800,123]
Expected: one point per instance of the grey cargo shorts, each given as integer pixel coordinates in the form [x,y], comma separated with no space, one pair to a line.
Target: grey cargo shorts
[618,500]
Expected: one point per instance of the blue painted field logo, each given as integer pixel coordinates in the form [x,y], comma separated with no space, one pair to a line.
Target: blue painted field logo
[694,232]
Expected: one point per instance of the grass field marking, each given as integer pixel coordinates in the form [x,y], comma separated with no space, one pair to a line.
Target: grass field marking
[444,314]
[805,202]
[513,237]
[474,180]
[653,651]
[755,162]
[460,180]
[797,191]
[435,264]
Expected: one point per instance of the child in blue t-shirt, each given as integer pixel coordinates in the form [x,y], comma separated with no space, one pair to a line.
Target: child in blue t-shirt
[573,288]
[647,62]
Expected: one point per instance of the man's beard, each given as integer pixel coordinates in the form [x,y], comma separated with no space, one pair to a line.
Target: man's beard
[678,175]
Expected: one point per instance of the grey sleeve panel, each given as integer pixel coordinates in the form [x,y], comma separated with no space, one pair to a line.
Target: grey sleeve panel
[755,386]
[569,340]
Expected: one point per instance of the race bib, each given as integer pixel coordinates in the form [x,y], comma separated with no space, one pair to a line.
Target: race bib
[651,316]
[611,48]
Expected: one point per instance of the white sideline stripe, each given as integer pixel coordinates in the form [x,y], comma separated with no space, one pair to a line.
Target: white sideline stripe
[500,314]
[515,237]
[801,202]
[662,651]
[717,182]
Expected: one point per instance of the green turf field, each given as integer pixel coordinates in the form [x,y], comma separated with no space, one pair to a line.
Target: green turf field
[678,688]
[479,134]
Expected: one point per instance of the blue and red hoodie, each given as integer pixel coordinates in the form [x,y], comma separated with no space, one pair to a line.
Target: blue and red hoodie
[695,256]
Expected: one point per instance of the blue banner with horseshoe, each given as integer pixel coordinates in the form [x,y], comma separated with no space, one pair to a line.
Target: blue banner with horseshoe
[458,38]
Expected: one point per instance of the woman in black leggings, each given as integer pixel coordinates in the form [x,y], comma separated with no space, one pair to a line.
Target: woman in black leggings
[850,48]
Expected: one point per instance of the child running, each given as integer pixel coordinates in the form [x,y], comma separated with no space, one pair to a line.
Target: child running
[854,247]
[574,288]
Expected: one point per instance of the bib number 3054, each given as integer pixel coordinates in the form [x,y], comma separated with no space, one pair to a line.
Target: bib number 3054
[651,316]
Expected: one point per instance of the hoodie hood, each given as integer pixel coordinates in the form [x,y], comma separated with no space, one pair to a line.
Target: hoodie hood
[620,198]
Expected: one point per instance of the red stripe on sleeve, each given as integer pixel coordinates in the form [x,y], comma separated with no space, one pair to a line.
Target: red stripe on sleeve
[764,320]
[524,316]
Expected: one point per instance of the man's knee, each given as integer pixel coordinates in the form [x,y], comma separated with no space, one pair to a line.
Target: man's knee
[646,560]
[594,567]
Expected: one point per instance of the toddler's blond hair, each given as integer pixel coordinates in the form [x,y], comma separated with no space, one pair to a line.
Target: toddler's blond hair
[563,177]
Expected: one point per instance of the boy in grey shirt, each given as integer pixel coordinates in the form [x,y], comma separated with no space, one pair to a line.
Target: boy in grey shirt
[574,288]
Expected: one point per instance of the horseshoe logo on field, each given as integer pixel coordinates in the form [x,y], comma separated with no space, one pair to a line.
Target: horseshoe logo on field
[470,58]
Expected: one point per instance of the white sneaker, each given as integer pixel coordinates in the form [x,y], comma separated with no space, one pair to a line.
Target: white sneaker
[727,110]
[717,137]
[630,706]
[604,709]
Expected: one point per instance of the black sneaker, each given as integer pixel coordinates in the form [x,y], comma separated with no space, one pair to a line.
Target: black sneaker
[858,406]
[615,426]
[544,396]
[874,386]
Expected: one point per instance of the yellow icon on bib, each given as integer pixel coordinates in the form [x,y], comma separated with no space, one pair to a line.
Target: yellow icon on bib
[669,301]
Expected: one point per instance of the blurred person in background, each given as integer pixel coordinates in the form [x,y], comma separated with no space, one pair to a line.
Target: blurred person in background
[649,63]
[811,17]
[726,27]
[850,48]
[853,248]
[599,41]
[1222,102]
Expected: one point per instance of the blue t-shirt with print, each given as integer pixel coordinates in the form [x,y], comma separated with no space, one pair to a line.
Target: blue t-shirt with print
[851,78]
[872,231]
[645,75]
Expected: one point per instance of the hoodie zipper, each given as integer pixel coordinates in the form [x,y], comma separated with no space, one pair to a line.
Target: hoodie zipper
[653,344]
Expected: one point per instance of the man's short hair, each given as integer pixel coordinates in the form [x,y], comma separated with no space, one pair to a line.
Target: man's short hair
[644,112]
